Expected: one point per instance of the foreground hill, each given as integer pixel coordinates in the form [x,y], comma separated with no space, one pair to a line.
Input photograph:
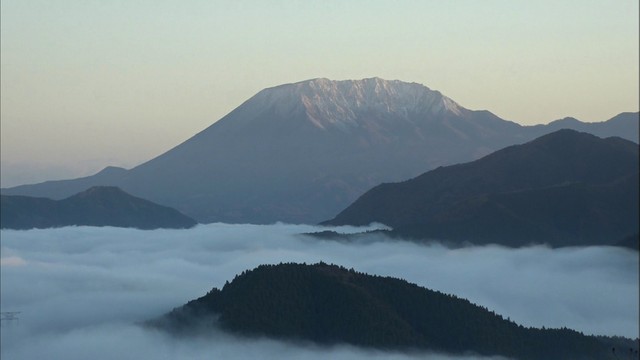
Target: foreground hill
[299,153]
[98,206]
[328,304]
[564,188]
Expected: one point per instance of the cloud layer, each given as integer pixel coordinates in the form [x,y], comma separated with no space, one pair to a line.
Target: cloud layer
[81,290]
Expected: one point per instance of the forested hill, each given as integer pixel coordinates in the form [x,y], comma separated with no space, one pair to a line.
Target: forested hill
[328,304]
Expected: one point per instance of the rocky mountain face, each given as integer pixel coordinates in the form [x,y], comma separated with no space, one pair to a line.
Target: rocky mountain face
[97,206]
[564,188]
[302,152]
[329,304]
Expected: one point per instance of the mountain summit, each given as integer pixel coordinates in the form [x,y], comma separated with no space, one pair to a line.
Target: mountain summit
[301,152]
[347,104]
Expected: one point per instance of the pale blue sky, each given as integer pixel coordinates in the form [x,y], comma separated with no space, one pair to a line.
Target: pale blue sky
[87,84]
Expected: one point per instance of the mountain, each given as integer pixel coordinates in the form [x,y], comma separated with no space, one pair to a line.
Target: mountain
[301,152]
[328,304]
[61,189]
[565,188]
[97,206]
[631,242]
[624,125]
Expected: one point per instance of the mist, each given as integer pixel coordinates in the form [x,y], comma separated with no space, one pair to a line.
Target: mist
[81,291]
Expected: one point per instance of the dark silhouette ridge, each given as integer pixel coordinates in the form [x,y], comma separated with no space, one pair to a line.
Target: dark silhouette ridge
[631,242]
[97,206]
[565,188]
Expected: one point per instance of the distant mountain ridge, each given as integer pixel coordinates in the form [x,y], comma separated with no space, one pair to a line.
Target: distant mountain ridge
[624,125]
[564,188]
[97,206]
[328,304]
[302,152]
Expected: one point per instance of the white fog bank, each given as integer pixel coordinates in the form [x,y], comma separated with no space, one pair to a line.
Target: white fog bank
[80,290]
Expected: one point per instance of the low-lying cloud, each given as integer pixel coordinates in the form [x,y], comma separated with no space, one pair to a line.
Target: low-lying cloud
[81,290]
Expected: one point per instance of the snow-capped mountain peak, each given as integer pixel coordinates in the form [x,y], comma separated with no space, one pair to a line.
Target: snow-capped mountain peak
[348,103]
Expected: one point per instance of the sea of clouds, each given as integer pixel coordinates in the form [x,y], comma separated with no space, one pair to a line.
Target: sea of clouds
[82,290]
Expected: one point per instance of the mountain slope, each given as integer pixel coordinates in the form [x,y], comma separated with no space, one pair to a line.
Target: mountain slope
[302,152]
[328,304]
[97,206]
[564,188]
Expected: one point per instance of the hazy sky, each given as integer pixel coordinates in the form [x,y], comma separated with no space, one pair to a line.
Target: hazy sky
[81,290]
[88,83]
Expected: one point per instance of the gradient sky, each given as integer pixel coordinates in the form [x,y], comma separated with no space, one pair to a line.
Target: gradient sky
[91,83]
